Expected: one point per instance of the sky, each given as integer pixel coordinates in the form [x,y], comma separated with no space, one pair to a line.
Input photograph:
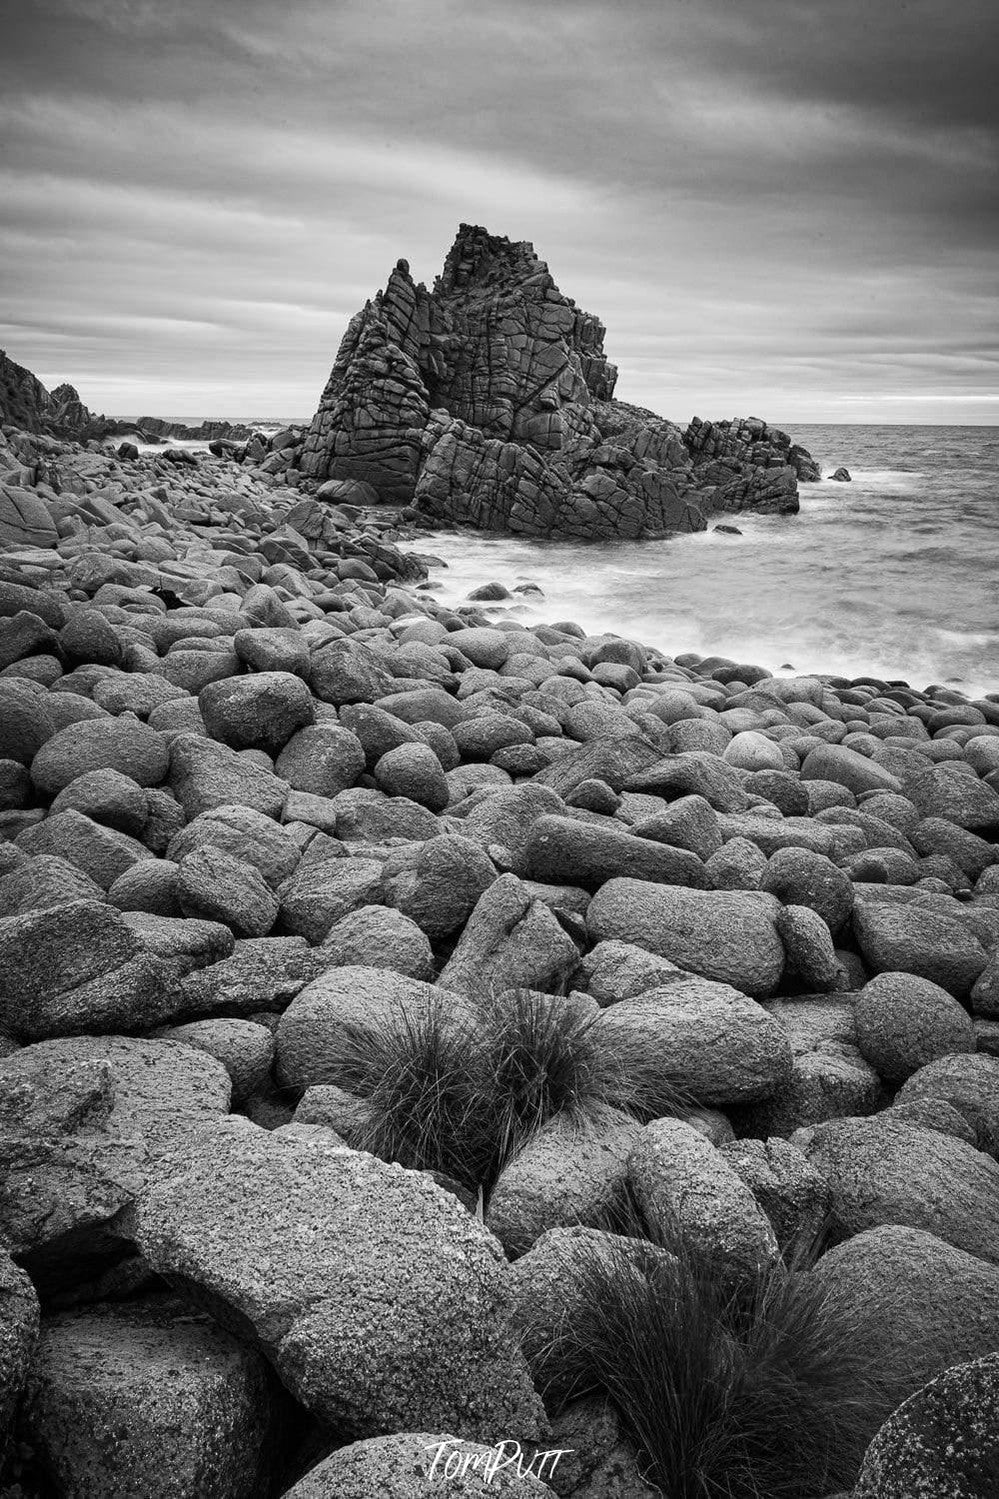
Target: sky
[782,208]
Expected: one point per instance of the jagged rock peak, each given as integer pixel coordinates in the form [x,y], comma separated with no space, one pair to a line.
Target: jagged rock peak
[480,260]
[489,401]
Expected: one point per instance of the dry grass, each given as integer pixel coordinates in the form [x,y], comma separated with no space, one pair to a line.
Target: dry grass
[756,1389]
[459,1092]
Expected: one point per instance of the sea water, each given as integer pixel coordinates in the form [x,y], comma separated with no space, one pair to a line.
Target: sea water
[893,575]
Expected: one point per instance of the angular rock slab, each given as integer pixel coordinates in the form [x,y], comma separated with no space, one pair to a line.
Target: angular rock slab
[79,968]
[381,1303]
[85,1122]
[510,941]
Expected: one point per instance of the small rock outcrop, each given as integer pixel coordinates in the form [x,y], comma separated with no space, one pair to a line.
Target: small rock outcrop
[488,402]
[27,405]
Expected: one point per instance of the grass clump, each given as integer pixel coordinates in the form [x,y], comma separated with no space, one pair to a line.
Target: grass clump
[758,1388]
[459,1090]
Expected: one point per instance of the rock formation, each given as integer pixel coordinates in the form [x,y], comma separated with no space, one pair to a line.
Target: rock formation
[489,402]
[27,405]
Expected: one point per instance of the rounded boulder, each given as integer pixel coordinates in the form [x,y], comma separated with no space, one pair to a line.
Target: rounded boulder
[123,744]
[260,711]
[904,1021]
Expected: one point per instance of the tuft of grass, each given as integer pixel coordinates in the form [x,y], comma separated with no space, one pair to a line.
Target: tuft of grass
[459,1091]
[755,1389]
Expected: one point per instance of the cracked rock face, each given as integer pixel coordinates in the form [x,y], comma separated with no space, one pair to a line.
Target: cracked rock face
[488,401]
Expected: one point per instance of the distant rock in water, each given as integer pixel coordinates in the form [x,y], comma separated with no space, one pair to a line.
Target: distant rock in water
[843,474]
[488,402]
[207,431]
[27,405]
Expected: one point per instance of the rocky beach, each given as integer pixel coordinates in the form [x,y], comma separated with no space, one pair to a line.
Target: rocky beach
[390,987]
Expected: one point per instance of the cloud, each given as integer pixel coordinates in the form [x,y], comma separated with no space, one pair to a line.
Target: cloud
[773,206]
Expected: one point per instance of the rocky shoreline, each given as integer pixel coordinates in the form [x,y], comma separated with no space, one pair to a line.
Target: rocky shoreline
[259,792]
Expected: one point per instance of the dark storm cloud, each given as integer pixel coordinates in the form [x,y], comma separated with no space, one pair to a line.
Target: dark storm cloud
[789,208]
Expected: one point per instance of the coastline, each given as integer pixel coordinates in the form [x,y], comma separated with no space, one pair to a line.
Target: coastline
[271,814]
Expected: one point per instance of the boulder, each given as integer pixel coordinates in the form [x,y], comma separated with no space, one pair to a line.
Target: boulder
[414,771]
[729,936]
[148,1398]
[885,1171]
[911,938]
[753,751]
[799,877]
[380,1301]
[416,1465]
[319,895]
[835,762]
[562,850]
[245,1050]
[684,1185]
[810,959]
[79,968]
[86,1123]
[44,881]
[696,773]
[108,797]
[243,834]
[613,971]
[904,1022]
[185,943]
[690,823]
[829,1078]
[941,1442]
[965,800]
[204,774]
[720,1047]
[511,941]
[263,973]
[103,854]
[261,711]
[346,671]
[569,1172]
[25,722]
[969,1084]
[213,885]
[378,937]
[921,1305]
[18,1336]
[324,760]
[309,1029]
[25,520]
[273,648]
[123,744]
[437,883]
[504,821]
[364,816]
[792,1194]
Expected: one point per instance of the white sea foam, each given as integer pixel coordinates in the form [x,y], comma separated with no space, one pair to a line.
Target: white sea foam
[892,575]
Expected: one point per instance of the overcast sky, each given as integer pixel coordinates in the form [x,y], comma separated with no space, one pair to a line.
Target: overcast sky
[785,208]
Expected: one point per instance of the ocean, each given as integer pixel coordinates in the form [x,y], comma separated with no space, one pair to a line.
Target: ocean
[893,575]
